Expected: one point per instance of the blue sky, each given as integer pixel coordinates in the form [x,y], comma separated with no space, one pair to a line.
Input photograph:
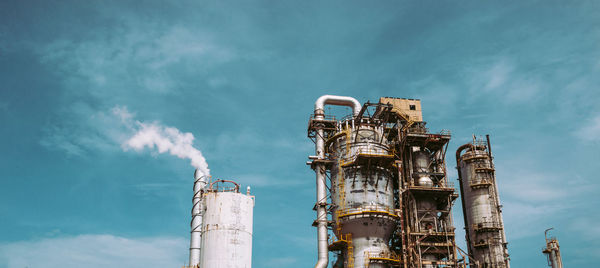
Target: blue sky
[242,77]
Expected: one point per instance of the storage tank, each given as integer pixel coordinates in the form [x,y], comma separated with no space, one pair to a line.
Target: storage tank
[226,227]
[482,211]
[221,227]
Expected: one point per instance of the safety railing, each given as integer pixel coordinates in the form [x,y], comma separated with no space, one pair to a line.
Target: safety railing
[382,257]
[488,225]
[480,183]
[372,150]
[385,210]
[445,132]
[326,117]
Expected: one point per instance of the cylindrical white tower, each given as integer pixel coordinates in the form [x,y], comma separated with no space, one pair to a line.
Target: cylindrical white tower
[226,227]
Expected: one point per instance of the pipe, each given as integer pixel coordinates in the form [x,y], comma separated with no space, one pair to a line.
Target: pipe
[200,182]
[462,196]
[498,208]
[337,100]
[323,257]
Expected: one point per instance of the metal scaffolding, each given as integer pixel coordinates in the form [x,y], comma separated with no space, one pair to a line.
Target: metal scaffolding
[389,201]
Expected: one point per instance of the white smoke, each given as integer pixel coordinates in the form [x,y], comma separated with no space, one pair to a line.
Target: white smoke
[163,139]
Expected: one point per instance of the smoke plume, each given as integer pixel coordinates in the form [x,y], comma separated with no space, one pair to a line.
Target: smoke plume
[164,140]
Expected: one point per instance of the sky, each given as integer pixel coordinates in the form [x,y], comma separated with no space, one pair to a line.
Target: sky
[236,81]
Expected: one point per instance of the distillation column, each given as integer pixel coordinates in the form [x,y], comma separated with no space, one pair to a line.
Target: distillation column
[482,211]
[390,199]
[362,195]
[552,251]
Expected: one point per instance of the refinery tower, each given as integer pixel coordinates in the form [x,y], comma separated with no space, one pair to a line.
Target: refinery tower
[383,195]
[382,189]
[482,211]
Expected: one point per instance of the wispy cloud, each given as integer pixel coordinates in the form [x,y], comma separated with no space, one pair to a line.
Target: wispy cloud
[95,251]
[88,131]
[138,56]
[535,198]
[590,131]
[500,76]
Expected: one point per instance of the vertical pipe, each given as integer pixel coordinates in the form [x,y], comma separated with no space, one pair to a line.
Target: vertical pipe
[498,208]
[323,251]
[200,182]
[462,199]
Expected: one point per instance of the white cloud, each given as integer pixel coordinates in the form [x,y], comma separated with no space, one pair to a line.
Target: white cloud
[95,251]
[499,77]
[590,131]
[533,200]
[139,55]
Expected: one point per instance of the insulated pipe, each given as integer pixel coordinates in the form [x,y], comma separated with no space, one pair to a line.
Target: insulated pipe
[320,171]
[337,100]
[200,182]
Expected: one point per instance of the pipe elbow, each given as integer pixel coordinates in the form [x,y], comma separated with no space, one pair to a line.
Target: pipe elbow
[322,263]
[337,100]
[460,149]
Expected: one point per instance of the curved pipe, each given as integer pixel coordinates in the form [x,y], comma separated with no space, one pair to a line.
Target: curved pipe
[462,196]
[320,171]
[546,233]
[339,101]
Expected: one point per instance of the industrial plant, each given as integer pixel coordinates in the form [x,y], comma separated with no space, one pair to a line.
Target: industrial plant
[383,197]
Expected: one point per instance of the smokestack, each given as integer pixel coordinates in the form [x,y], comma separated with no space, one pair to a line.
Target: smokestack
[200,181]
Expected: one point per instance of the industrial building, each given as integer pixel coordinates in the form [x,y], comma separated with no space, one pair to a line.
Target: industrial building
[383,195]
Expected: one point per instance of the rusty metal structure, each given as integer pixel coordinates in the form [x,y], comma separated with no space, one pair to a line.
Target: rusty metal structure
[382,187]
[482,211]
[552,251]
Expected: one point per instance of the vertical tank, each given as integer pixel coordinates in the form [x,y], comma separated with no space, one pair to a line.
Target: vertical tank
[481,205]
[226,226]
[362,194]
[552,251]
